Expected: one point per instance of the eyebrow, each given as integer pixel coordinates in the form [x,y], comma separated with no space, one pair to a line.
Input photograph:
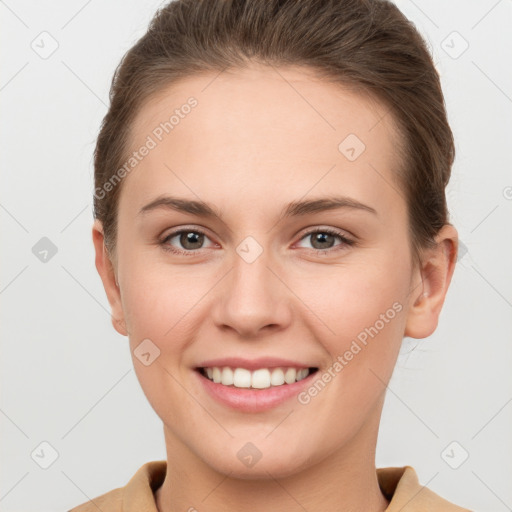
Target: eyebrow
[294,209]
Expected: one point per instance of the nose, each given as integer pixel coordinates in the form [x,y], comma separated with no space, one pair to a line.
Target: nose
[253,300]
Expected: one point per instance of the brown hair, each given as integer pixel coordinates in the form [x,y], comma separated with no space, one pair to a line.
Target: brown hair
[368,45]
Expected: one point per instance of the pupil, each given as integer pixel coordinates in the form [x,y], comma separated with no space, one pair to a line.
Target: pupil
[322,238]
[191,238]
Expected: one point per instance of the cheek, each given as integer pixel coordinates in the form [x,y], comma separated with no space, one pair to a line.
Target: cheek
[362,314]
[152,306]
[359,308]
[356,294]
[161,302]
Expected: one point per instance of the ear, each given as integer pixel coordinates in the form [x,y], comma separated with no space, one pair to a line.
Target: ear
[108,276]
[430,284]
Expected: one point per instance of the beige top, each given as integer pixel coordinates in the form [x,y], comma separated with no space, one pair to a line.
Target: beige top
[398,484]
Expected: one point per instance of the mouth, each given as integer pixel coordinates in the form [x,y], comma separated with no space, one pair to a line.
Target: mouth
[259,379]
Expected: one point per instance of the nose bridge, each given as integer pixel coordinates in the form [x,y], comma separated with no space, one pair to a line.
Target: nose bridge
[252,296]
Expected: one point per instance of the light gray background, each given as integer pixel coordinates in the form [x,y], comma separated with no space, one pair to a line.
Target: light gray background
[67,376]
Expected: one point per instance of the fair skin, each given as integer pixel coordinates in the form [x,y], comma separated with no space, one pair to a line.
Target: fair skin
[250,147]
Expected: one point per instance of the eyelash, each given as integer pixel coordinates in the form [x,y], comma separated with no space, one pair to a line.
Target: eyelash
[166,247]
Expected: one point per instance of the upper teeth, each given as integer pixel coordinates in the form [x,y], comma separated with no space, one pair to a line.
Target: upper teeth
[260,379]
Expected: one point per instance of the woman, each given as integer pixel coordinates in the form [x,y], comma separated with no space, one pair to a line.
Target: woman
[270,223]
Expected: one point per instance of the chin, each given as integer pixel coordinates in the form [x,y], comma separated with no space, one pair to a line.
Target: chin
[249,464]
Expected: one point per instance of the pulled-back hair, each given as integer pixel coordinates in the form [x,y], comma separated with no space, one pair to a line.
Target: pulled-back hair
[367,45]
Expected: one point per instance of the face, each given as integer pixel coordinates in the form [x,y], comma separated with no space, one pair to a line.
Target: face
[326,285]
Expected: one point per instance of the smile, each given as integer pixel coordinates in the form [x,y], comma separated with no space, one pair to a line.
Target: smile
[261,378]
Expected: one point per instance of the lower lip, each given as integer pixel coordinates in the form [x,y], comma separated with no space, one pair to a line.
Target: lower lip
[250,399]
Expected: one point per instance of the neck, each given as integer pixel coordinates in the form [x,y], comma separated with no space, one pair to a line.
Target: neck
[344,481]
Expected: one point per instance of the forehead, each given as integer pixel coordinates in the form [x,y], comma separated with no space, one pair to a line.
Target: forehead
[259,126]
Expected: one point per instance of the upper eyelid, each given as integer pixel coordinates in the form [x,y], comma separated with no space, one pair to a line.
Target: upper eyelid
[338,231]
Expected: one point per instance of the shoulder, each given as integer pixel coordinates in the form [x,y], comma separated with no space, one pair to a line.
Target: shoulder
[401,486]
[136,495]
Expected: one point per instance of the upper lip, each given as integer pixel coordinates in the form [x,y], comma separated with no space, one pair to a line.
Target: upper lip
[253,364]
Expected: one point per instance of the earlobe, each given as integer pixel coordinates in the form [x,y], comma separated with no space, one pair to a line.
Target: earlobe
[109,278]
[427,297]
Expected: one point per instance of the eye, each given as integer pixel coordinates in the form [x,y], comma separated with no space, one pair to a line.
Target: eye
[190,239]
[325,238]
